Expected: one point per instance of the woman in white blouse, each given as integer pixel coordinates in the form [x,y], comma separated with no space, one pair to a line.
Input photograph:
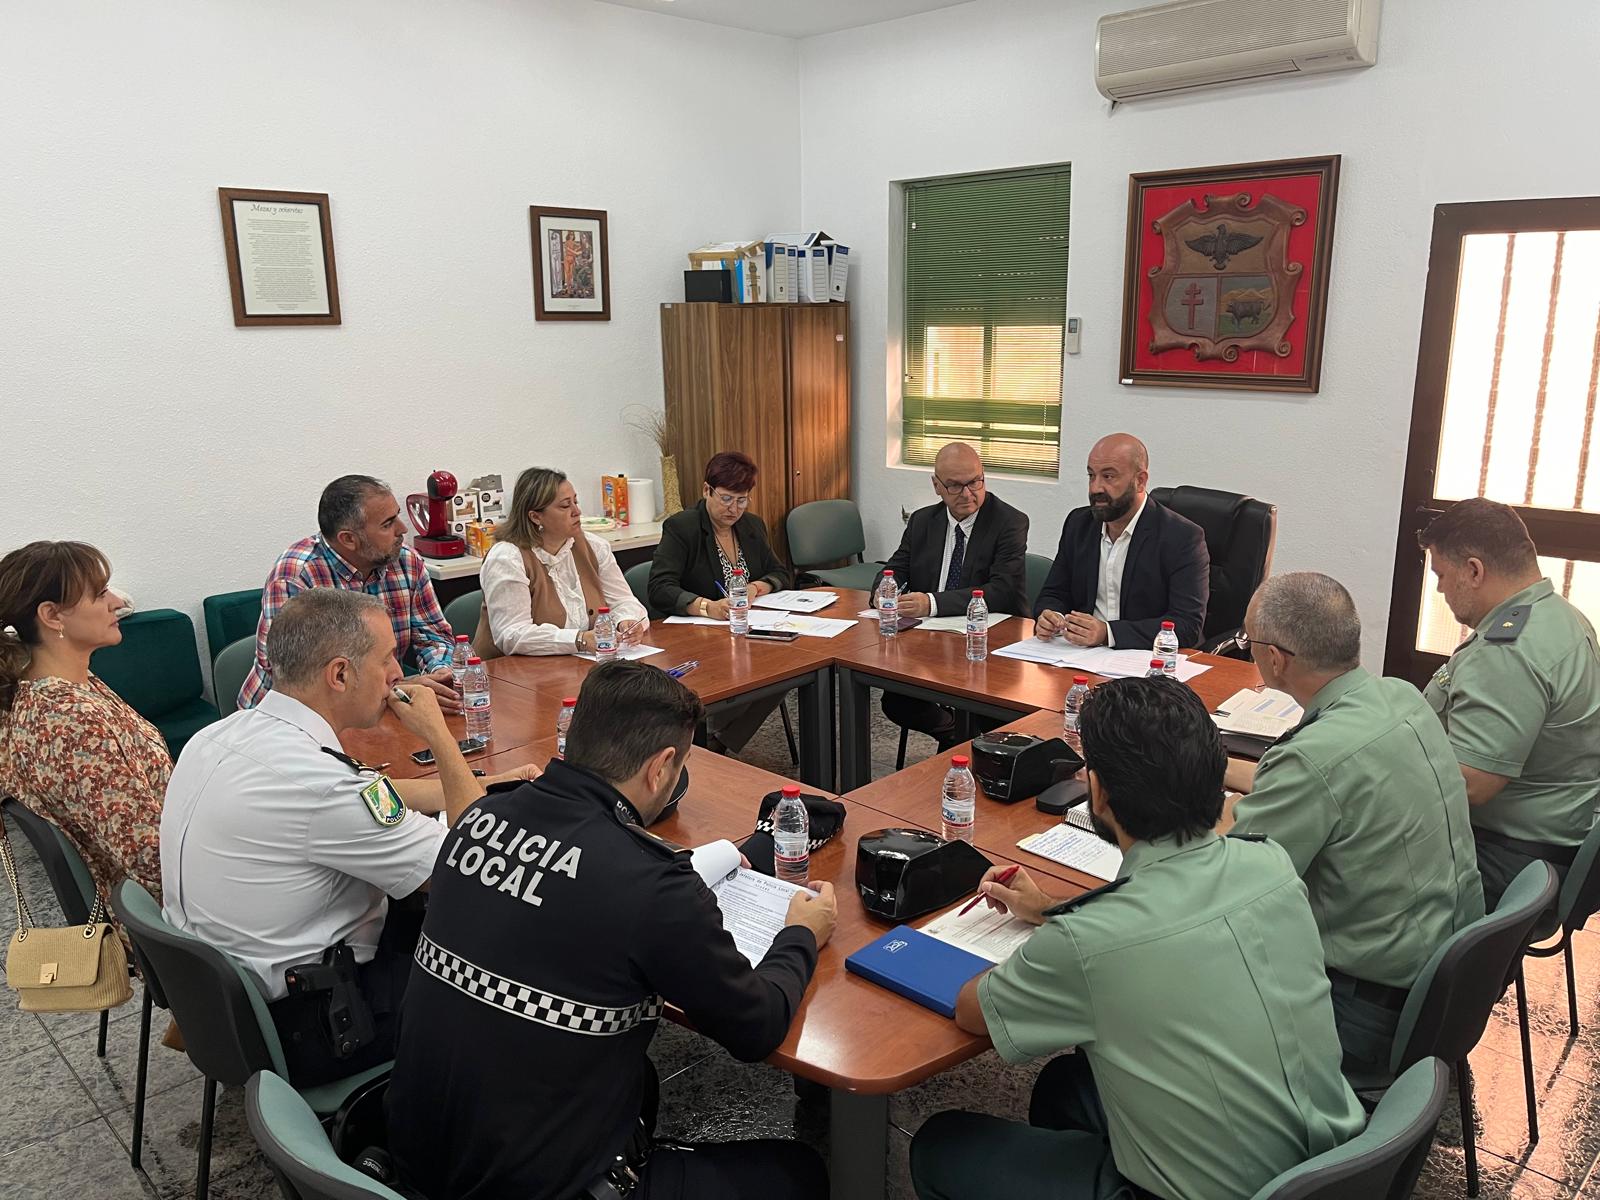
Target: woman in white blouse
[544,577]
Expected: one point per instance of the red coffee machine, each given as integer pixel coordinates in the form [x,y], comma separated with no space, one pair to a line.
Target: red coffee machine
[431,516]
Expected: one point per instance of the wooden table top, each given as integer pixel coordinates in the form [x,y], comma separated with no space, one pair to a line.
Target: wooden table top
[520,716]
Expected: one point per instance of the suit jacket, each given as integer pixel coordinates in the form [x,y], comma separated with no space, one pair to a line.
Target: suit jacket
[992,560]
[686,567]
[1166,575]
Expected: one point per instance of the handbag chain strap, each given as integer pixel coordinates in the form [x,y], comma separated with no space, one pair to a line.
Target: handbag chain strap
[25,920]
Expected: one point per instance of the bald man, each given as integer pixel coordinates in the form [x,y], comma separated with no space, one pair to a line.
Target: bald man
[1125,563]
[969,539]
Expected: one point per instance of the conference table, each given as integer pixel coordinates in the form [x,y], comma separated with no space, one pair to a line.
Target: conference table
[861,1041]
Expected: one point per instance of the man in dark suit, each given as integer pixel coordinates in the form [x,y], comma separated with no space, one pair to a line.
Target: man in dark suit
[971,539]
[1125,563]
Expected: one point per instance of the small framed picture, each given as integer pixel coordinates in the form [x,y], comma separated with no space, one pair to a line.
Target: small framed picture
[280,257]
[571,267]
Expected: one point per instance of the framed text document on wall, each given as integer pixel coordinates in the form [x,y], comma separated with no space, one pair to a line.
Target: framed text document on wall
[280,257]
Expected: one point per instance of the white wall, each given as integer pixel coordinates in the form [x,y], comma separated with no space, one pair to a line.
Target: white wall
[1470,100]
[137,417]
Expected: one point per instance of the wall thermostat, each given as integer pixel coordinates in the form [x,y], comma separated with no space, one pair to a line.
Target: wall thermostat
[1073,335]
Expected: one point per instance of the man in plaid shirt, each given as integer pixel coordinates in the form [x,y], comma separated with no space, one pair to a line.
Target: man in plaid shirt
[361,547]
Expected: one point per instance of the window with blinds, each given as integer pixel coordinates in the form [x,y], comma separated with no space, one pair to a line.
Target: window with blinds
[985,309]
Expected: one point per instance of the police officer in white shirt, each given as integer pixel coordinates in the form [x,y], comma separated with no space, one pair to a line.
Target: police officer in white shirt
[283,851]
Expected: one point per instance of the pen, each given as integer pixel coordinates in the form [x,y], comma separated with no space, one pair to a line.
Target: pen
[682,669]
[723,590]
[400,695]
[1002,879]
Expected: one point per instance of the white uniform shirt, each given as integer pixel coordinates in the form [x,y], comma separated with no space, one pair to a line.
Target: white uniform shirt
[505,597]
[1113,557]
[950,524]
[268,850]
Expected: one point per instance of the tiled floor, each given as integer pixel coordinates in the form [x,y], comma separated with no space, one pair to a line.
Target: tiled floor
[66,1117]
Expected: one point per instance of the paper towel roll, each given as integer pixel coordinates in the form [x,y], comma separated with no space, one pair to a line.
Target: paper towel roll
[641,501]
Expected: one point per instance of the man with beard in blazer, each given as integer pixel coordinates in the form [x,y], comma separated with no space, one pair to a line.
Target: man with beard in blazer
[1125,563]
[971,539]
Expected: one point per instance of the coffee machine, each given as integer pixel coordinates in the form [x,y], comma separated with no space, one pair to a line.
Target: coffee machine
[431,516]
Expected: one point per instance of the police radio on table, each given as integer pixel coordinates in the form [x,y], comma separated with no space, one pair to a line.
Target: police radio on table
[430,514]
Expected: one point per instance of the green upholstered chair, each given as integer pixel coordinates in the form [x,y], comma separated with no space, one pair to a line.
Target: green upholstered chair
[1038,568]
[826,531]
[297,1146]
[461,614]
[1383,1161]
[229,670]
[227,1031]
[156,669]
[229,617]
[638,577]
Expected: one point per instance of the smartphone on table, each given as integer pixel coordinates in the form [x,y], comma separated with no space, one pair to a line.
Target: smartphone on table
[467,746]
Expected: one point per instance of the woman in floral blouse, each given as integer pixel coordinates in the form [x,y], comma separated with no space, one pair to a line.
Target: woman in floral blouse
[70,748]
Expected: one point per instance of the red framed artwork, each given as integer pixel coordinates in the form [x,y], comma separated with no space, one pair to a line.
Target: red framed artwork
[1226,278]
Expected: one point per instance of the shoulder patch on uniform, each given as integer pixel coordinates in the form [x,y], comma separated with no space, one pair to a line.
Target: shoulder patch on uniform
[658,844]
[1510,626]
[1066,906]
[383,802]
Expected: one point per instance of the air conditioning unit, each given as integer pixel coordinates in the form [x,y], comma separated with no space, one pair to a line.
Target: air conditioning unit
[1205,43]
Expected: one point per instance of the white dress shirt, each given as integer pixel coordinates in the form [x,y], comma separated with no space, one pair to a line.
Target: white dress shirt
[505,597]
[268,850]
[950,524]
[1113,558]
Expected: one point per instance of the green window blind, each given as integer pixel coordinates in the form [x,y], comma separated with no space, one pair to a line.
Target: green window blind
[985,307]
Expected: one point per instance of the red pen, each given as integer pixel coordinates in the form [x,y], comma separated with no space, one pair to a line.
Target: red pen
[1002,879]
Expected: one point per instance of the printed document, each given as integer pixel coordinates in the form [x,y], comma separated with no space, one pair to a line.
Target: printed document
[754,906]
[984,932]
[958,623]
[797,601]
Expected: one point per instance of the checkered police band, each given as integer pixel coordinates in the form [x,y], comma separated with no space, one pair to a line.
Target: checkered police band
[530,1003]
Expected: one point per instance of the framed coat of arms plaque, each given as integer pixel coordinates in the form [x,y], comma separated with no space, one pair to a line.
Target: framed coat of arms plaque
[1226,278]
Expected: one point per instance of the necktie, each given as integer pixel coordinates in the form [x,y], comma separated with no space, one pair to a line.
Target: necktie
[952,579]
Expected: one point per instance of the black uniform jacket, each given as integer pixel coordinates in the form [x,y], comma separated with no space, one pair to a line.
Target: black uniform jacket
[555,931]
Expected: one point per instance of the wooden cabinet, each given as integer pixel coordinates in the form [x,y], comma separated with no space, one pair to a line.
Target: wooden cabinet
[772,380]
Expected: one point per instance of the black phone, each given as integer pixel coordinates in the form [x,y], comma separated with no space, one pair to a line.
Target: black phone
[471,745]
[774,635]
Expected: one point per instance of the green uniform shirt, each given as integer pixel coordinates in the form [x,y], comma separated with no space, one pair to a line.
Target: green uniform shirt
[1195,985]
[1366,797]
[1521,698]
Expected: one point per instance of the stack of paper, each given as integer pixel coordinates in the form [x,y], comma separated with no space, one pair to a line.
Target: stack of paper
[625,652]
[984,932]
[1265,714]
[1097,660]
[768,619]
[958,623]
[793,601]
[754,906]
[1072,847]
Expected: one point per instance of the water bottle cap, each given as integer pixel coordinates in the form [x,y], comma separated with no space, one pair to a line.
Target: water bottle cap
[1156,662]
[1168,625]
[1083,679]
[570,702]
[959,760]
[474,661]
[888,574]
[461,637]
[791,789]
[737,573]
[602,609]
[976,592]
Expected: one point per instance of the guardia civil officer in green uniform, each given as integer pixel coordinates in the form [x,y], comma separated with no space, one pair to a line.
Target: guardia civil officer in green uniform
[1365,796]
[1520,698]
[1192,987]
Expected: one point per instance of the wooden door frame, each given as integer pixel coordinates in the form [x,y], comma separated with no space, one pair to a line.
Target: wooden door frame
[1556,533]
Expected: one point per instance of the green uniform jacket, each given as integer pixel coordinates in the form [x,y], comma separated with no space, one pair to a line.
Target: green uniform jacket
[1366,797]
[1195,985]
[1521,698]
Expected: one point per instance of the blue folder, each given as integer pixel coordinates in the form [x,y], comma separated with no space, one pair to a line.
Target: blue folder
[919,967]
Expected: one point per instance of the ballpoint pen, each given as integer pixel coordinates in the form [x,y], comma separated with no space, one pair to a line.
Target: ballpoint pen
[682,668]
[399,695]
[1002,879]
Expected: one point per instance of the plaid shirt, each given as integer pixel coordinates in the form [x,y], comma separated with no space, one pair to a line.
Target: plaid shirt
[420,631]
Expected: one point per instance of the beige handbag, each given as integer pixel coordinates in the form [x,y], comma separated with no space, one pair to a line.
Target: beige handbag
[81,968]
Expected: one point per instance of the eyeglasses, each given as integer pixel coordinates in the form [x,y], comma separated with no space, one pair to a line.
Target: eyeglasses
[1243,641]
[950,485]
[739,502]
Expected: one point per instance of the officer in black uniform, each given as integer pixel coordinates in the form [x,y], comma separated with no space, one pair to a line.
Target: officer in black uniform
[557,929]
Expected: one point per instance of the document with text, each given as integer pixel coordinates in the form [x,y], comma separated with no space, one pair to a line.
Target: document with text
[754,906]
[984,932]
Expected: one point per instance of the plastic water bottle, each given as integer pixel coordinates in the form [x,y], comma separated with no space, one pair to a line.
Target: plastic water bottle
[1070,708]
[564,723]
[458,662]
[739,606]
[1166,649]
[958,800]
[605,635]
[977,627]
[475,698]
[888,602]
[1158,669]
[791,837]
